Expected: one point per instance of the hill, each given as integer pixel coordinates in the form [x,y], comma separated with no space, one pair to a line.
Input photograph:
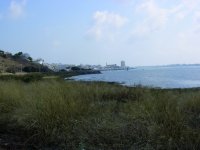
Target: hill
[19,62]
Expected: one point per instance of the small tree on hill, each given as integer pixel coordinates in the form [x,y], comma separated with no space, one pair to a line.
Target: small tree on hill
[18,55]
[75,68]
[2,54]
[30,59]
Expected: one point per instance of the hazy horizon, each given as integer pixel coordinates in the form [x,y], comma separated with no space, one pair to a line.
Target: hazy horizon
[141,32]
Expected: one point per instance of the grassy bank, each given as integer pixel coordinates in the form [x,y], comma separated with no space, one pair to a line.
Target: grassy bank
[29,77]
[74,115]
[37,76]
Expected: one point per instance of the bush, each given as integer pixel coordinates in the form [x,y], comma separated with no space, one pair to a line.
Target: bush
[38,68]
[25,78]
[75,68]
[32,77]
[31,69]
[11,69]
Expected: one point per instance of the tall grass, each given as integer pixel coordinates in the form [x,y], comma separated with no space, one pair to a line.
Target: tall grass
[74,115]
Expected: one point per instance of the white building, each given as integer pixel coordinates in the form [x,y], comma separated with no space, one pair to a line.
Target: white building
[123,65]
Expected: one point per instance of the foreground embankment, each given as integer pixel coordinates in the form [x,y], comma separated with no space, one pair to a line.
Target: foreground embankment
[76,115]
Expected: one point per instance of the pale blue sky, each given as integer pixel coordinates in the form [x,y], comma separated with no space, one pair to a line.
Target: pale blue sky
[141,32]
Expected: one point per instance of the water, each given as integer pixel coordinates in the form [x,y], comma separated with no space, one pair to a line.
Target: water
[163,77]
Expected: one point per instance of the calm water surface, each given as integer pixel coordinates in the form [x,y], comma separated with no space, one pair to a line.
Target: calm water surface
[163,77]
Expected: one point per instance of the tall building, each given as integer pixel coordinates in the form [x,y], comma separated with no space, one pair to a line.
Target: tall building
[123,64]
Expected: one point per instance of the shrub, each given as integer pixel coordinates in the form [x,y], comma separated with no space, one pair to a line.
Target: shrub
[26,78]
[30,69]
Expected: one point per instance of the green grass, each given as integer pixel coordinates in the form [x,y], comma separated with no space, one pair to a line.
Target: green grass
[77,115]
[30,77]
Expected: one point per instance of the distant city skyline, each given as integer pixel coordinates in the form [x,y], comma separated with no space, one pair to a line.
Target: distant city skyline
[140,32]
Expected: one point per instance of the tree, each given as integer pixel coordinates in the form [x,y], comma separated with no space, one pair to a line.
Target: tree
[2,52]
[30,59]
[18,55]
[30,69]
[75,68]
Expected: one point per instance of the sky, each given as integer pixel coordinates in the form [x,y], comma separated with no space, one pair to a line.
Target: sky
[140,32]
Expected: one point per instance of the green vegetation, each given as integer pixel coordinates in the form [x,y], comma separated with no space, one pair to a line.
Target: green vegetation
[80,115]
[66,74]
[19,62]
[22,77]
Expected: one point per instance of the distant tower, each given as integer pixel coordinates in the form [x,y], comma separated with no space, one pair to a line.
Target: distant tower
[123,64]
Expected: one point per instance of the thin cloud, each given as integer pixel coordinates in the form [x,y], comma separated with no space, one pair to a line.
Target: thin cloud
[157,17]
[17,9]
[105,24]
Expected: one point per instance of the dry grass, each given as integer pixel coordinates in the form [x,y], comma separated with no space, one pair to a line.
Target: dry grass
[75,115]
